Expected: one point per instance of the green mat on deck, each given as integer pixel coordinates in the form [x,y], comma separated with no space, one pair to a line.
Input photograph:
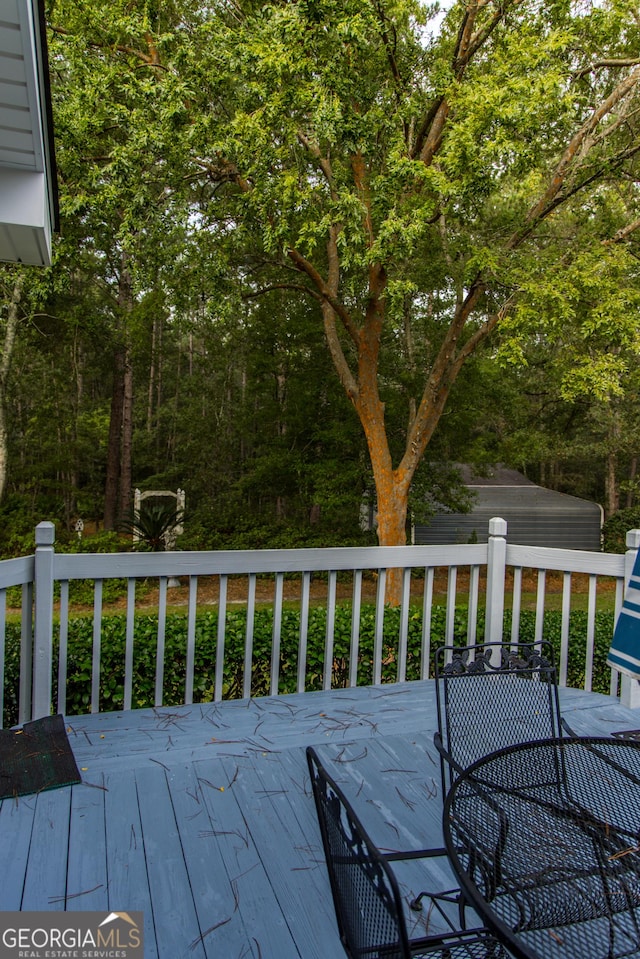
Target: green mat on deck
[36,757]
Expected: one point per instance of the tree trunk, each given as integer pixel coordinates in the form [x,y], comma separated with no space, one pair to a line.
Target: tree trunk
[152,374]
[611,488]
[126,461]
[5,365]
[117,500]
[633,472]
[115,438]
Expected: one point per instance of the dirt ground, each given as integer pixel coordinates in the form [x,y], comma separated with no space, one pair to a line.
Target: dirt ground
[237,588]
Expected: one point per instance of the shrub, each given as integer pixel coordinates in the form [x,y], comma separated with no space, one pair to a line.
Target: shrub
[614,530]
[112,656]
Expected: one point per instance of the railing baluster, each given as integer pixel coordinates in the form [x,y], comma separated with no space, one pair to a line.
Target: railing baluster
[95,656]
[222,616]
[63,633]
[26,654]
[162,622]
[248,637]
[427,608]
[452,588]
[304,632]
[472,617]
[515,605]
[3,632]
[191,639]
[542,584]
[355,627]
[403,637]
[591,633]
[564,629]
[378,636]
[329,633]
[276,635]
[128,649]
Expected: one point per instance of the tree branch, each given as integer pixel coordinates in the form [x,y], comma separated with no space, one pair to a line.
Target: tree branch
[299,287]
[600,64]
[150,59]
[390,48]
[362,187]
[623,233]
[579,147]
[480,38]
[468,43]
[323,162]
[325,292]
[439,382]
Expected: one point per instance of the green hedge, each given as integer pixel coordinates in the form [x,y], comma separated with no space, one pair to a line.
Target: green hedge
[145,639]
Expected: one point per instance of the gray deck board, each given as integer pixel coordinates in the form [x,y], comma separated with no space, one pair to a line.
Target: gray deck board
[221,923]
[169,879]
[45,881]
[16,826]
[87,883]
[126,866]
[267,932]
[201,816]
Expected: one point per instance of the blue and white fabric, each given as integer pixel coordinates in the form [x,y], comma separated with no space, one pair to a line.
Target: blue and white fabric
[624,654]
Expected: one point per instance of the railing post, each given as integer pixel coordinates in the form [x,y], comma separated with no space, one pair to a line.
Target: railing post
[496,570]
[42,652]
[629,687]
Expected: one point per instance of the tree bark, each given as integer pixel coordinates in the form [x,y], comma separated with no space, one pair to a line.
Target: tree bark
[10,333]
[114,441]
[126,462]
[119,451]
[611,486]
[633,472]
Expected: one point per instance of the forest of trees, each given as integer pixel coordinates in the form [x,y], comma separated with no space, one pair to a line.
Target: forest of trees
[312,248]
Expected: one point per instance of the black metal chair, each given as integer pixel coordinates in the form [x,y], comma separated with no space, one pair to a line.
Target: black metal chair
[367,900]
[490,696]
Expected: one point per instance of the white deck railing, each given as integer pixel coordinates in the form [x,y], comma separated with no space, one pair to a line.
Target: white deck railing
[496,567]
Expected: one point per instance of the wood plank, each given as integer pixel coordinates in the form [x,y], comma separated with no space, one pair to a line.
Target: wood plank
[16,825]
[281,847]
[45,884]
[174,916]
[221,922]
[87,861]
[249,876]
[125,854]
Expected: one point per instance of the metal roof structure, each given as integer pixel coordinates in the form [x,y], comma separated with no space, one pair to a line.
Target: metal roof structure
[28,189]
[535,516]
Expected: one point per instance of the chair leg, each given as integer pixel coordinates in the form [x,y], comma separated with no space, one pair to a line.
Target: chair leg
[452,896]
[416,904]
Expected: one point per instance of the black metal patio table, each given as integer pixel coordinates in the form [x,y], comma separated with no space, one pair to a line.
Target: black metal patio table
[545,840]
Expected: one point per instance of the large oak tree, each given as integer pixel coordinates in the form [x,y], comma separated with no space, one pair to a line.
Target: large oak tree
[406,180]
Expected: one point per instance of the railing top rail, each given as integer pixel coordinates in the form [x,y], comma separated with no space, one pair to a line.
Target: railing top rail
[16,572]
[230,562]
[566,560]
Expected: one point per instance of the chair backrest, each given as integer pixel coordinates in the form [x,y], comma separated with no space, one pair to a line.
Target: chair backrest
[365,891]
[491,696]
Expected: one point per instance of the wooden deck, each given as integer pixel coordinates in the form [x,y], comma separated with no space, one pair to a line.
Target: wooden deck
[202,816]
